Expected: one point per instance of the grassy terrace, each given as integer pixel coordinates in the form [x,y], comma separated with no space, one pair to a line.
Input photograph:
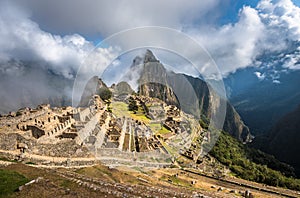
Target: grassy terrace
[158,129]
[120,109]
[170,149]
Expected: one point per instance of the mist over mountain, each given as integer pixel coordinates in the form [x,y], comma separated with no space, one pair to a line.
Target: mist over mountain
[28,84]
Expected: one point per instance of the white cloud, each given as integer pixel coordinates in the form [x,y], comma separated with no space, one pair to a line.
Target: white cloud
[276,82]
[260,76]
[271,27]
[22,39]
[233,46]
[282,18]
[292,61]
[28,54]
[108,17]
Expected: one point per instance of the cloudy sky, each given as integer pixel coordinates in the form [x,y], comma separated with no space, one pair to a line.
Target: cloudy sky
[42,38]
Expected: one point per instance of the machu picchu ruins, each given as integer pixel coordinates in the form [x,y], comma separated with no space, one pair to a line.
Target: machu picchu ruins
[105,131]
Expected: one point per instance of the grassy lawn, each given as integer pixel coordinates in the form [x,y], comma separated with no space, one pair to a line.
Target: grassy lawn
[155,127]
[10,181]
[120,109]
[171,150]
[175,180]
[140,116]
[158,129]
[177,140]
[164,131]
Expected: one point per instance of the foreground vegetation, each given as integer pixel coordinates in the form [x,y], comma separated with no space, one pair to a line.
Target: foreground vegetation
[10,181]
[253,165]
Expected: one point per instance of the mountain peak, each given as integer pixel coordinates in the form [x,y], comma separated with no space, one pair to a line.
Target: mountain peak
[149,57]
[146,58]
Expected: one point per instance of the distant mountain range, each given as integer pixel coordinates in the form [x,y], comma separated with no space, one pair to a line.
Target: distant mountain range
[263,94]
[283,140]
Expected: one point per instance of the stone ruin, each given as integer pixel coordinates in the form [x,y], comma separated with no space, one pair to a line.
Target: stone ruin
[51,135]
[94,133]
[45,132]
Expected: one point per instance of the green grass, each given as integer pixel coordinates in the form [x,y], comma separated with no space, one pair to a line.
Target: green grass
[180,182]
[158,129]
[120,109]
[175,180]
[140,117]
[177,140]
[155,127]
[170,150]
[7,160]
[10,181]
[164,131]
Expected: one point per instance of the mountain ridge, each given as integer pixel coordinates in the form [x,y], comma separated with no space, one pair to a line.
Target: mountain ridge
[283,140]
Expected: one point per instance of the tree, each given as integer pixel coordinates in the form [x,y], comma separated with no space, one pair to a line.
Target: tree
[104,93]
[132,106]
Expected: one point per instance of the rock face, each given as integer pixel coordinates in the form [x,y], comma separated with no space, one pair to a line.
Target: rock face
[123,88]
[234,123]
[154,81]
[191,94]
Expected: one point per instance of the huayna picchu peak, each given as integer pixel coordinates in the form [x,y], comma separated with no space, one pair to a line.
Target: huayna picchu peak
[149,57]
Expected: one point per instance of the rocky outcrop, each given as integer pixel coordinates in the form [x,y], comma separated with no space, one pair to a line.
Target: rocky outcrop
[92,88]
[123,88]
[234,124]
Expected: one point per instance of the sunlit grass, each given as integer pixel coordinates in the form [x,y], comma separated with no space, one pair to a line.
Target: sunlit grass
[164,131]
[120,109]
[170,150]
[155,127]
[140,117]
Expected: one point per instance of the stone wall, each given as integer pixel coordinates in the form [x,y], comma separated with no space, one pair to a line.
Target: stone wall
[49,161]
[64,148]
[143,156]
[88,128]
[61,127]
